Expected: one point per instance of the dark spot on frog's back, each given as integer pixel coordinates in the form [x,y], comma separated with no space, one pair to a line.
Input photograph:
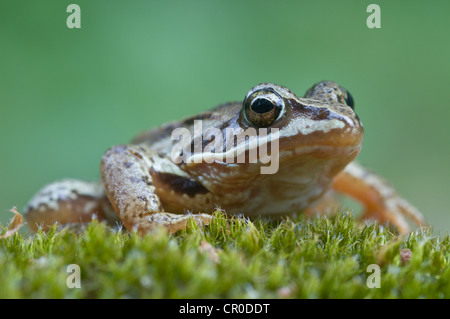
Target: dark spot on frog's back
[127,164]
[181,184]
[142,198]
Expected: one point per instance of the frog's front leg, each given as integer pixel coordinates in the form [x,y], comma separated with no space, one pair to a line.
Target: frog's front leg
[379,198]
[128,174]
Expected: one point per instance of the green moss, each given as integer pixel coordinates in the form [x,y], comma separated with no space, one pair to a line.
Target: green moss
[295,258]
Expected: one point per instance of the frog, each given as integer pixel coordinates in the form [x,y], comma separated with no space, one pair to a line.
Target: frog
[145,187]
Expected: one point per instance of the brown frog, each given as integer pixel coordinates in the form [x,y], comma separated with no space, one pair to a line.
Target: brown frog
[157,181]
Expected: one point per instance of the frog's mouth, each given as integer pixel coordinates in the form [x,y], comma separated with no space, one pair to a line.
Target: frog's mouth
[285,153]
[342,141]
[339,140]
[326,133]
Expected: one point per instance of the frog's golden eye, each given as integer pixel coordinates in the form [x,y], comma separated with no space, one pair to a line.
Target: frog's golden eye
[263,107]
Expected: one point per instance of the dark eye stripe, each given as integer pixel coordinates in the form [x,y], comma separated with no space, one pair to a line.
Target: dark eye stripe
[181,184]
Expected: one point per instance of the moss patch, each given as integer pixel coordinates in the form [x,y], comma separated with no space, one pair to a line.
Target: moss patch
[232,258]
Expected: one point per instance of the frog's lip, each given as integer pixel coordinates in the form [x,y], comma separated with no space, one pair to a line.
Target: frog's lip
[324,148]
[345,137]
[342,143]
[328,139]
[321,150]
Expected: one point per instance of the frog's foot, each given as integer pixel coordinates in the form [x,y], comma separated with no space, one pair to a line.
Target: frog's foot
[171,222]
[67,202]
[127,176]
[379,198]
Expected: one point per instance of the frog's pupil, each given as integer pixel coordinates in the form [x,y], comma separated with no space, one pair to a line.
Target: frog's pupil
[262,106]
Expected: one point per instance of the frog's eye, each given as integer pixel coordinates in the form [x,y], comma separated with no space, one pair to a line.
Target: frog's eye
[263,107]
[349,100]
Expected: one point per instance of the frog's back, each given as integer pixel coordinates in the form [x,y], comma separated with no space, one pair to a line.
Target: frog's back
[159,138]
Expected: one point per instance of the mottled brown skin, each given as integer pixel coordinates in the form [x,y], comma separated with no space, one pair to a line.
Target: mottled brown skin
[319,137]
[68,202]
[72,212]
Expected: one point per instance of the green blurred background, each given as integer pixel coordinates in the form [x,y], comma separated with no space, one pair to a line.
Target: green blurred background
[68,94]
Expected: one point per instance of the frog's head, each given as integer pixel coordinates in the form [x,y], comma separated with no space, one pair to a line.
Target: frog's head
[273,129]
[322,125]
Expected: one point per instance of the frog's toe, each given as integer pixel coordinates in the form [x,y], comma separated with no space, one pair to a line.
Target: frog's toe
[396,212]
[410,211]
[202,219]
[389,217]
[147,223]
